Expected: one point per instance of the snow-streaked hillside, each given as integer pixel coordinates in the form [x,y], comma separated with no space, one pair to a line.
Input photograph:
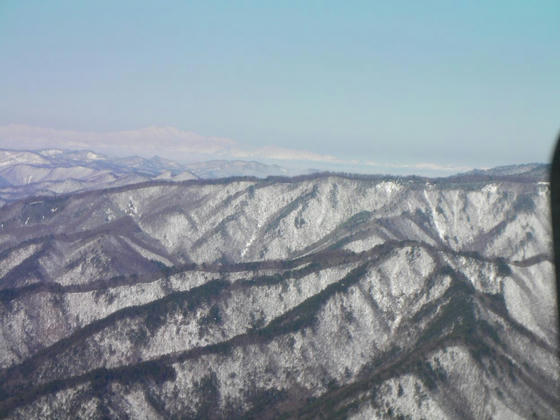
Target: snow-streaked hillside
[321,295]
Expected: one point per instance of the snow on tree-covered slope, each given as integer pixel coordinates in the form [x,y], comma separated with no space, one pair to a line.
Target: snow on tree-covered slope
[320,295]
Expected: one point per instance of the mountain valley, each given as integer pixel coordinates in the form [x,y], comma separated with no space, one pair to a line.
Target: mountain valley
[317,296]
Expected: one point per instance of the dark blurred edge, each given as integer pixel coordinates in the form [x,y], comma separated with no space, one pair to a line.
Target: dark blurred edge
[555,211]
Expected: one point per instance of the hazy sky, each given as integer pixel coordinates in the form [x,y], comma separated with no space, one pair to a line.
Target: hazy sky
[472,83]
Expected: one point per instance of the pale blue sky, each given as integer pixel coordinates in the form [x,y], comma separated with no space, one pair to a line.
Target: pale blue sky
[473,83]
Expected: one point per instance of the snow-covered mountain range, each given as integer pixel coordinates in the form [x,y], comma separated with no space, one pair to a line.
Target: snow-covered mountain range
[319,296]
[53,171]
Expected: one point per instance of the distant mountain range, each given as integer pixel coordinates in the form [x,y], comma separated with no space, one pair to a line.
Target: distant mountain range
[50,172]
[54,171]
[533,171]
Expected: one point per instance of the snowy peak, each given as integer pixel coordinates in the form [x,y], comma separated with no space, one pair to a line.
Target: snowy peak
[14,157]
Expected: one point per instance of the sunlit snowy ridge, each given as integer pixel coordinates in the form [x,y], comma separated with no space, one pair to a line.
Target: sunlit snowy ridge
[366,296]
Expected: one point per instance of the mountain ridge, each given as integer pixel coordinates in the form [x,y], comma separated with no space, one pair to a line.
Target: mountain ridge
[317,295]
[55,171]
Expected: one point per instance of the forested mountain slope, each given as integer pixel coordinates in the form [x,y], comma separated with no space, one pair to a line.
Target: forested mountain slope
[315,296]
